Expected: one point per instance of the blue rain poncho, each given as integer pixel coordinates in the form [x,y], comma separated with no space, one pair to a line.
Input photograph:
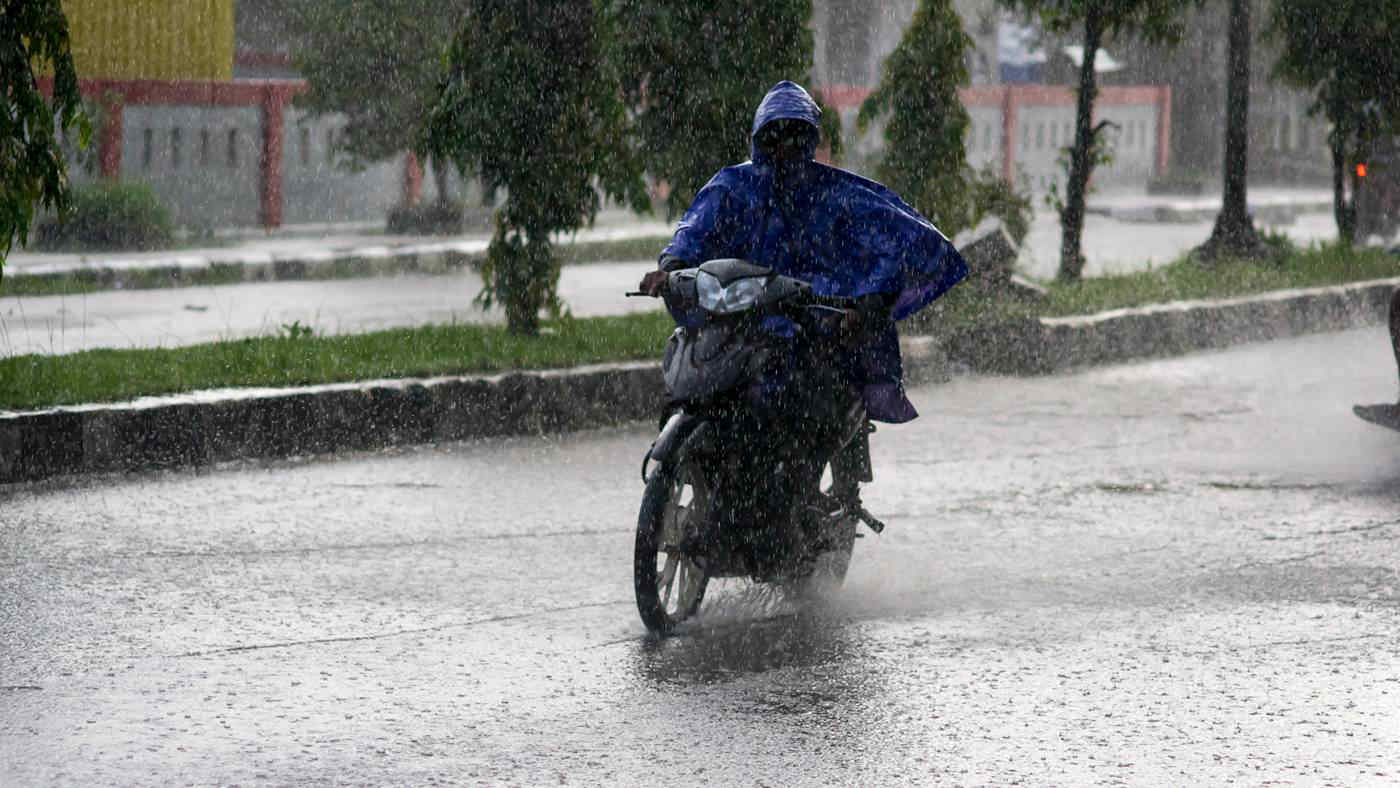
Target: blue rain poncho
[847,235]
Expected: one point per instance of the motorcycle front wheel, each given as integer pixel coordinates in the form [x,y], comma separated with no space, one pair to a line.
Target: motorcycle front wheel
[669,581]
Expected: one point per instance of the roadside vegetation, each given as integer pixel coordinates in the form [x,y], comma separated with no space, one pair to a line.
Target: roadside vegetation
[1184,279]
[296,356]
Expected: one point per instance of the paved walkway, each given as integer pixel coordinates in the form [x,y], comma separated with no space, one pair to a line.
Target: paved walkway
[192,315]
[313,244]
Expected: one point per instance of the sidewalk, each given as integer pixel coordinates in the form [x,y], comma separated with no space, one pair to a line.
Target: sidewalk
[1268,205]
[320,251]
[343,251]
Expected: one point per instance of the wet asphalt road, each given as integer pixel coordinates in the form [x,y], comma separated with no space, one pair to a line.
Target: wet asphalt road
[1177,572]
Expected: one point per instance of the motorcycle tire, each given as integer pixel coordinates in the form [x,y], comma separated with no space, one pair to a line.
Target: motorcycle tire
[669,583]
[828,572]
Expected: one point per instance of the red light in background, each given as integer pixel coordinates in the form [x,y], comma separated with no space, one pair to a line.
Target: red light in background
[1361,170]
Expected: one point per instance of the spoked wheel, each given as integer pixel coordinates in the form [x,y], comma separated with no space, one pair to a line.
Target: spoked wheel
[670,583]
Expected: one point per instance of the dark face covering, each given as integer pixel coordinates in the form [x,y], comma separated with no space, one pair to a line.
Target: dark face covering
[785,143]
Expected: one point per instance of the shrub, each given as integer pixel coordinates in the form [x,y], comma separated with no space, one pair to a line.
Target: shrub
[991,195]
[124,216]
[428,218]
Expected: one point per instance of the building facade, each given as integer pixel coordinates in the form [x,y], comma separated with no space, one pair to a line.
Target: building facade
[219,147]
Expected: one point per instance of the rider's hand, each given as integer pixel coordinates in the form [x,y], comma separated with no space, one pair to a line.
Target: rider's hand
[653,283]
[870,314]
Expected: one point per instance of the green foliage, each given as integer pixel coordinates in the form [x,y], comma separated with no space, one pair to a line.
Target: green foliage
[296,331]
[989,194]
[520,272]
[925,158]
[693,73]
[531,105]
[925,154]
[1159,21]
[1100,155]
[377,63]
[1347,52]
[1156,21]
[109,215]
[34,34]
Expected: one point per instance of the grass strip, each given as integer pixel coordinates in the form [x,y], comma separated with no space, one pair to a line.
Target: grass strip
[1182,280]
[36,381]
[296,358]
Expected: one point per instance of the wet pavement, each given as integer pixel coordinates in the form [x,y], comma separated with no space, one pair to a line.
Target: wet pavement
[185,316]
[189,316]
[1176,572]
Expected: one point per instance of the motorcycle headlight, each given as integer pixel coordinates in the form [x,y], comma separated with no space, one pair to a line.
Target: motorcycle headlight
[739,296]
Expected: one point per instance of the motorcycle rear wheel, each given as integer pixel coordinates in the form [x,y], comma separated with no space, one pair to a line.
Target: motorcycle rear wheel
[670,582]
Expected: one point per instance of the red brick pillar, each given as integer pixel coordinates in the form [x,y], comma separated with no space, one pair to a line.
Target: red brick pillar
[1164,128]
[109,135]
[271,163]
[412,179]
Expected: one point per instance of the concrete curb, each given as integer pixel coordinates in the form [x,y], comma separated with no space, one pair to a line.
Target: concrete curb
[1267,212]
[261,266]
[216,426]
[267,266]
[1048,345]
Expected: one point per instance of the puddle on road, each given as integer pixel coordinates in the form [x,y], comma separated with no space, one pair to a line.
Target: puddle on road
[1138,488]
[715,649]
[1274,486]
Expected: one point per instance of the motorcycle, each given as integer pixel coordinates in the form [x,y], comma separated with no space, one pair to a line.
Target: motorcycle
[758,407]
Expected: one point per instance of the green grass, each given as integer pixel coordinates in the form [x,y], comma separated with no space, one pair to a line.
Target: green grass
[33,381]
[1179,281]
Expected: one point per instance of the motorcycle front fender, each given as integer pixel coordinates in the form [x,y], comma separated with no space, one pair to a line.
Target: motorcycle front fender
[671,437]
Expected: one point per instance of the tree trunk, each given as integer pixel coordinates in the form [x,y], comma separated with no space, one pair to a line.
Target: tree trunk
[1234,234]
[1234,213]
[1081,157]
[440,178]
[1343,210]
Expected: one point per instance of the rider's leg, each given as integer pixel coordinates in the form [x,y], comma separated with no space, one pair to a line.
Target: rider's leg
[851,465]
[1395,327]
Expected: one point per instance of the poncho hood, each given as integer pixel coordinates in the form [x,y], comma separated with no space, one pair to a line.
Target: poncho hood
[847,235]
[787,101]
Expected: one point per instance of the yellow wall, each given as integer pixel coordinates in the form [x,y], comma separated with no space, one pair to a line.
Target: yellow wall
[152,39]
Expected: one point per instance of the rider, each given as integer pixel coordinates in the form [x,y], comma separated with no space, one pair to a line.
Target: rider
[848,236]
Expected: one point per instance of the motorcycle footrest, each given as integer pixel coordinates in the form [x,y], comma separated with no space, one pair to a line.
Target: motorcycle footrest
[870,520]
